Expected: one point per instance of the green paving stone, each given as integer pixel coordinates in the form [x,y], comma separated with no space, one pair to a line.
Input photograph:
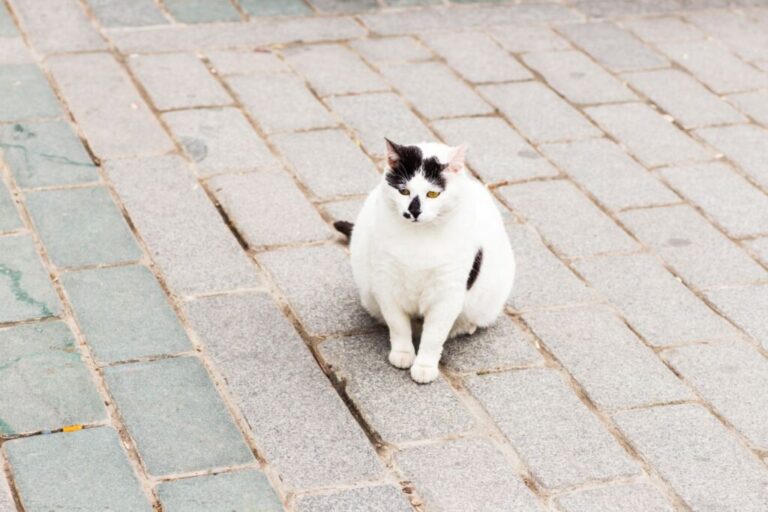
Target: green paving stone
[276,7]
[86,471]
[45,154]
[44,384]
[9,216]
[345,6]
[202,11]
[81,227]
[401,3]
[127,13]
[124,313]
[7,27]
[25,93]
[25,289]
[175,416]
[226,492]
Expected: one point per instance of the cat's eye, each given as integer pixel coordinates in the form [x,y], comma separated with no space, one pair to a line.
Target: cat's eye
[405,192]
[432,194]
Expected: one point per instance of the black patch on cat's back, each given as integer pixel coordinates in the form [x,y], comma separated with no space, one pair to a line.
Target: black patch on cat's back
[408,163]
[344,227]
[433,172]
[475,271]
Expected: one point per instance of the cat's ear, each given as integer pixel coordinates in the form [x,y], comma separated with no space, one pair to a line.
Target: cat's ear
[456,163]
[393,155]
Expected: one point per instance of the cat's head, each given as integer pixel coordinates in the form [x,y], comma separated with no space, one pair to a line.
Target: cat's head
[423,179]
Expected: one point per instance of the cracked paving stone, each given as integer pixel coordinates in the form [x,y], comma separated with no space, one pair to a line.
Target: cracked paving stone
[25,289]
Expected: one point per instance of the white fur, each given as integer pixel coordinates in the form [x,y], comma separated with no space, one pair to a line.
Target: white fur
[406,269]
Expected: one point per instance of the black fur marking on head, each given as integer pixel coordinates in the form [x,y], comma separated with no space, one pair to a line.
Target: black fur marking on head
[475,269]
[415,207]
[408,162]
[433,172]
[344,227]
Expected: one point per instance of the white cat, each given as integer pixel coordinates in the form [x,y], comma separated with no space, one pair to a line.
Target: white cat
[429,242]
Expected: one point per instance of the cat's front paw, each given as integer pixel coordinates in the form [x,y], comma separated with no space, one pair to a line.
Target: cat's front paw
[401,359]
[424,374]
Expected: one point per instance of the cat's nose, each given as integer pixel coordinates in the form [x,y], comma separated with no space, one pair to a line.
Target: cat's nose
[415,207]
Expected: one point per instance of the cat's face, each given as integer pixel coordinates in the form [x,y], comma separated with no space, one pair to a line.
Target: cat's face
[422,180]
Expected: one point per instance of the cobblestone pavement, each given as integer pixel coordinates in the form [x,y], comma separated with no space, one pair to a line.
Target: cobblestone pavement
[170,282]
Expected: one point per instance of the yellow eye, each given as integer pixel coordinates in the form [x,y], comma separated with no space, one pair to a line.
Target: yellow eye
[405,192]
[432,194]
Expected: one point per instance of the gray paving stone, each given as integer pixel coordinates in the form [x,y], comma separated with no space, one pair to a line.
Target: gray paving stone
[704,463]
[681,236]
[220,141]
[334,69]
[276,7]
[744,145]
[375,116]
[501,346]
[26,93]
[754,104]
[264,222]
[195,433]
[606,357]
[541,280]
[437,93]
[477,57]
[566,218]
[760,247]
[82,80]
[202,11]
[81,227]
[131,13]
[539,113]
[640,497]
[652,300]
[225,492]
[730,376]
[744,306]
[651,138]
[397,49]
[745,36]
[578,78]
[273,101]
[558,438]
[43,383]
[25,289]
[730,200]
[715,66]
[308,287]
[603,168]
[378,389]
[496,151]
[613,47]
[528,38]
[248,335]
[124,313]
[344,210]
[660,30]
[9,215]
[185,235]
[328,163]
[193,85]
[85,470]
[55,26]
[457,475]
[684,98]
[45,154]
[245,62]
[381,498]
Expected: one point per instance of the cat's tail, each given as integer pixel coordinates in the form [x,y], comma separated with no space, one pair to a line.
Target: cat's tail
[344,227]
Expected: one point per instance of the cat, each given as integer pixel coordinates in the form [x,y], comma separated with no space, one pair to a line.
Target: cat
[429,243]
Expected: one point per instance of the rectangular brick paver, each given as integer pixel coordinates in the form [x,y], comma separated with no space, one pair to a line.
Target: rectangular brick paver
[85,470]
[744,145]
[55,26]
[124,313]
[82,80]
[659,30]
[238,490]
[377,389]
[744,306]
[119,13]
[202,11]
[528,38]
[25,289]
[606,357]
[754,104]
[185,234]
[704,463]
[44,384]
[392,49]
[26,93]
[653,300]
[744,35]
[248,335]
[81,227]
[175,416]
[557,437]
[616,498]
[680,236]
[456,475]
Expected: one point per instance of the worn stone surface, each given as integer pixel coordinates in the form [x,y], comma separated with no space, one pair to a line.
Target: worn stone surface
[381,498]
[25,290]
[640,497]
[239,490]
[26,93]
[55,26]
[743,306]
